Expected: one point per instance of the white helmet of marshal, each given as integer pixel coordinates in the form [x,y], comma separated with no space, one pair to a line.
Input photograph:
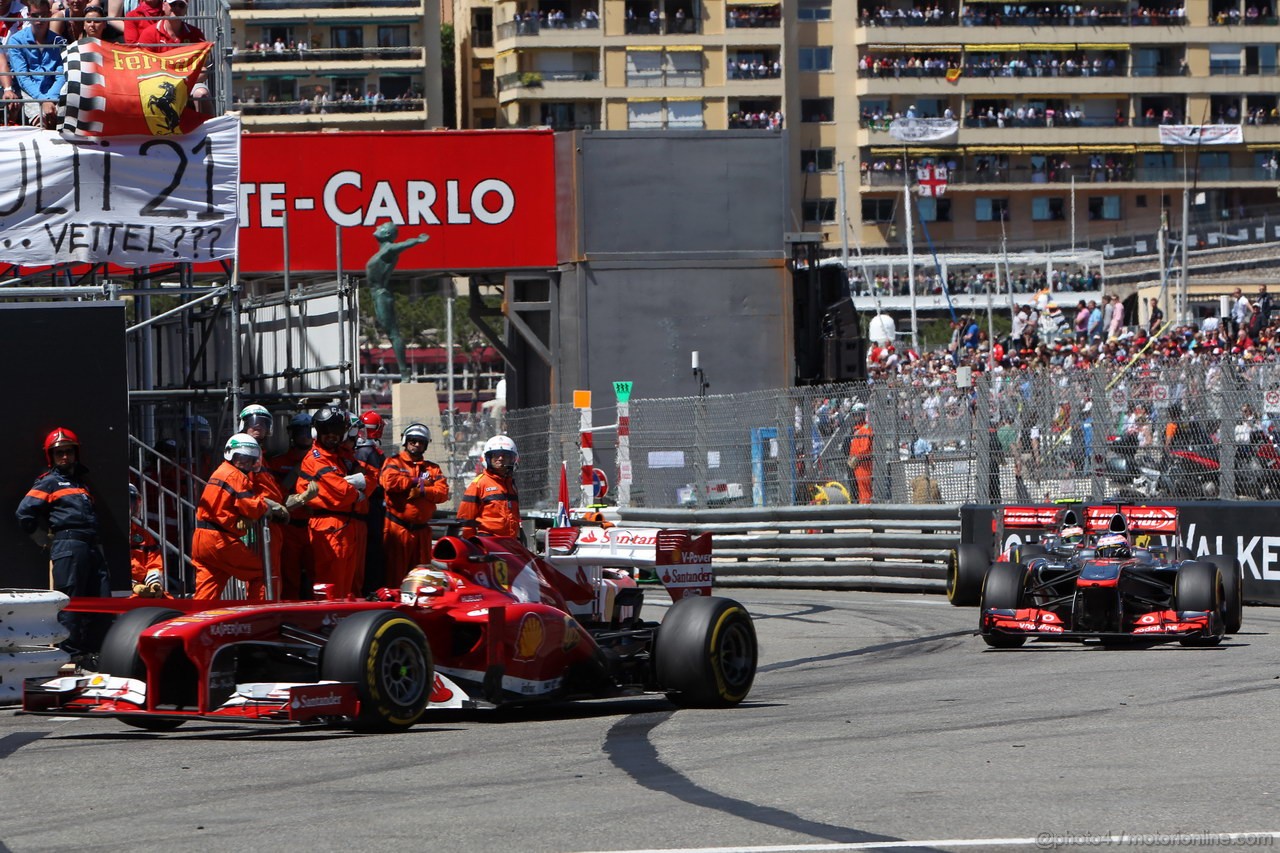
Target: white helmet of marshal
[500,444]
[241,444]
[255,415]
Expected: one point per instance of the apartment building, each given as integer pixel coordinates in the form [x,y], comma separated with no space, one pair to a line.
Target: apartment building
[1059,105]
[1059,109]
[336,64]
[621,64]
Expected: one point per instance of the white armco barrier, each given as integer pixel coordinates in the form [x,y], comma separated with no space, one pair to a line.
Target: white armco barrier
[29,630]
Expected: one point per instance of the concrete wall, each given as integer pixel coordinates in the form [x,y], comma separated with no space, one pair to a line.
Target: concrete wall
[673,243]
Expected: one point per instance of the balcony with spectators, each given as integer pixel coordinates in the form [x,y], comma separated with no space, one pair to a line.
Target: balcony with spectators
[561,20]
[663,17]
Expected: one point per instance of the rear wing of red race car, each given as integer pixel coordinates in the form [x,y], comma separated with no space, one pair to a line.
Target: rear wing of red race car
[682,562]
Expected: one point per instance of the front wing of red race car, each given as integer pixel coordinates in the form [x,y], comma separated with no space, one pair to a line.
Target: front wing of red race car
[1156,626]
[103,695]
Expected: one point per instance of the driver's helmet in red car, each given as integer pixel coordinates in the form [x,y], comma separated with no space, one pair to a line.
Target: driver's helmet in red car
[1071,536]
[1113,546]
[421,584]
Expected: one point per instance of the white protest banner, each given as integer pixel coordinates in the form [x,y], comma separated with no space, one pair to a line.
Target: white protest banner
[1201,134]
[922,129]
[130,201]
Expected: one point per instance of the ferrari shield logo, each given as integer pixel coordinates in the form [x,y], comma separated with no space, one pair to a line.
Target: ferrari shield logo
[164,96]
[501,573]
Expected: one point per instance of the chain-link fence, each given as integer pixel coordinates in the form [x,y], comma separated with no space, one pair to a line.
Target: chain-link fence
[1204,430]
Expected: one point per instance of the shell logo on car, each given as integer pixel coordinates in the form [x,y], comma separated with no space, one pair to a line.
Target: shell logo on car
[529,636]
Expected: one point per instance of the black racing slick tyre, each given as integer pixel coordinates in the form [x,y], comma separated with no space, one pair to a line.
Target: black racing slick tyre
[964,575]
[1232,591]
[704,654]
[387,657]
[1198,587]
[119,657]
[1002,589]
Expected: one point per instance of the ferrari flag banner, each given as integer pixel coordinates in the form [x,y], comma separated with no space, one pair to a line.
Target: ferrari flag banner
[129,91]
[1201,134]
[138,202]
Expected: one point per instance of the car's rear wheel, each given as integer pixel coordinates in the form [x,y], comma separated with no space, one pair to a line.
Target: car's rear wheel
[386,656]
[1003,590]
[964,575]
[119,657]
[1029,551]
[705,653]
[1232,591]
[1198,587]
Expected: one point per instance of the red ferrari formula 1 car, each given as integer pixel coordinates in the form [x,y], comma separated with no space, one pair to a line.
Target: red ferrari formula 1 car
[488,623]
[1110,589]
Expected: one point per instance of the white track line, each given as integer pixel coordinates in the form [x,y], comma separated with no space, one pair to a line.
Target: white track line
[1044,841]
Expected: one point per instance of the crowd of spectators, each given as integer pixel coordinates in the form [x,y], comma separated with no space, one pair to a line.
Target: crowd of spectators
[1253,16]
[996,169]
[909,16]
[1091,333]
[35,33]
[754,16]
[322,102]
[760,120]
[754,69]
[531,21]
[976,281]
[978,15]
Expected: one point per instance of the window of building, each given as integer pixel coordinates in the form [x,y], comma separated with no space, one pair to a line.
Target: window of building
[682,67]
[1046,209]
[684,115]
[353,85]
[393,36]
[394,87]
[991,209]
[877,209]
[644,68]
[817,159]
[815,59]
[1224,59]
[1104,207]
[271,35]
[814,10]
[486,83]
[482,28]
[934,209]
[820,210]
[346,37]
[817,109]
[644,114]
[280,88]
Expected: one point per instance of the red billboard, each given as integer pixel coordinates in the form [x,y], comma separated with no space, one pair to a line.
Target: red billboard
[485,199]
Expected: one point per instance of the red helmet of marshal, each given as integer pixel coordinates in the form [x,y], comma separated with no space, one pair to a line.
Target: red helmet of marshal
[372,422]
[59,437]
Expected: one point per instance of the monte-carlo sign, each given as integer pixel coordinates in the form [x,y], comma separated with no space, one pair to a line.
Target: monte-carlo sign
[486,199]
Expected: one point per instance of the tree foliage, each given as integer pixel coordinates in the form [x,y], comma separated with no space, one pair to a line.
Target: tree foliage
[423,320]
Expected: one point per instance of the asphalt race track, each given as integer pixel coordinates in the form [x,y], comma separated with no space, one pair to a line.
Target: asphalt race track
[877,721]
